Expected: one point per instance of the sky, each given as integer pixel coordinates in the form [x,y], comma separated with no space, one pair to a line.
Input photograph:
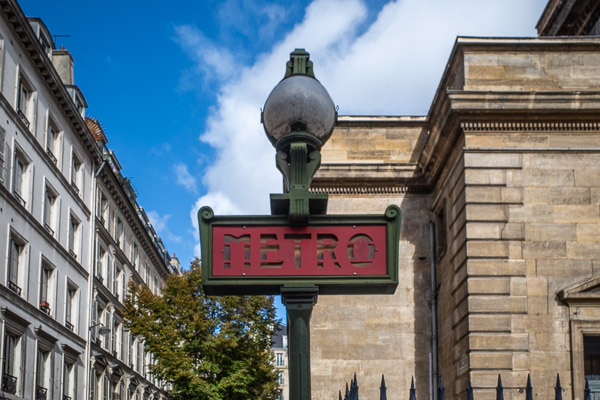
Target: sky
[178,86]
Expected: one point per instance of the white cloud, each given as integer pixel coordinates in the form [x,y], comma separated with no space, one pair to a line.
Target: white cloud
[221,205]
[159,223]
[184,178]
[212,61]
[393,67]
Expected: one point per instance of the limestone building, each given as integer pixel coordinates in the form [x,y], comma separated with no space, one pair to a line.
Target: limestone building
[499,187]
[71,234]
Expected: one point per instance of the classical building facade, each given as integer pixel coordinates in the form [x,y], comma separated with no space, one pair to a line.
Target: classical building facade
[71,234]
[499,187]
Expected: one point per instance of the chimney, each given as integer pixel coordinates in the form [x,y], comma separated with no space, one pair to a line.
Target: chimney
[175,263]
[63,62]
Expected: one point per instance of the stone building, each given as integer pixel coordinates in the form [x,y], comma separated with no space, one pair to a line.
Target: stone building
[65,258]
[499,187]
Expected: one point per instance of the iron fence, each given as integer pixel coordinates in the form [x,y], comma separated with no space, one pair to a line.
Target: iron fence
[352,390]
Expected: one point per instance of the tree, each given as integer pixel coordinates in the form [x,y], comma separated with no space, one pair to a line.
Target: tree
[208,348]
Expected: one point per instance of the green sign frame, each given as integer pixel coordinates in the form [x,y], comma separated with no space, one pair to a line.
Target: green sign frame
[217,284]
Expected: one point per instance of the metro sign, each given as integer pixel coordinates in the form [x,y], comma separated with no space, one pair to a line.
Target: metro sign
[337,253]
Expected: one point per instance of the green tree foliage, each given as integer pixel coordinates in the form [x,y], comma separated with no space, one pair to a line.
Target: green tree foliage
[208,348]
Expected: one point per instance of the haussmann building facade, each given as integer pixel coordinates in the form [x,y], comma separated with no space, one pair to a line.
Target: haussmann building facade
[499,187]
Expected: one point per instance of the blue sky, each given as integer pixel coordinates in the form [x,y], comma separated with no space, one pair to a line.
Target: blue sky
[178,85]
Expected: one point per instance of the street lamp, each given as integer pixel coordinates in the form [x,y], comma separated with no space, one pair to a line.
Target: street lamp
[298,117]
[102,330]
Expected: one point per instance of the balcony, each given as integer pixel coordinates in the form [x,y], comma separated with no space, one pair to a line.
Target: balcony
[52,156]
[23,118]
[20,199]
[40,393]
[45,307]
[49,229]
[75,187]
[13,286]
[69,326]
[9,384]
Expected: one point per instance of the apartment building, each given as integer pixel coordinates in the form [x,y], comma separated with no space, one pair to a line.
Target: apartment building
[280,350]
[71,234]
[127,248]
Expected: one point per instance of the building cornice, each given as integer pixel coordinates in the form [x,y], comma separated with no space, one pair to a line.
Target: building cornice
[20,25]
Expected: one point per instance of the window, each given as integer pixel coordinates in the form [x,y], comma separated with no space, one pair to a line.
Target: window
[117,337]
[118,272]
[2,159]
[69,380]
[119,232]
[50,209]
[13,362]
[101,257]
[76,174]
[135,255]
[71,307]
[591,359]
[95,385]
[20,185]
[53,141]
[43,374]
[25,101]
[440,231]
[280,379]
[102,208]
[16,262]
[74,236]
[46,286]
[279,359]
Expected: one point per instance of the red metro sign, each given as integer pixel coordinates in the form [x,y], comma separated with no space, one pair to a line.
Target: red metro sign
[260,254]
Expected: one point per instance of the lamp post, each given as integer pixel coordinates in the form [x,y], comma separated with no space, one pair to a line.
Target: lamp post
[298,117]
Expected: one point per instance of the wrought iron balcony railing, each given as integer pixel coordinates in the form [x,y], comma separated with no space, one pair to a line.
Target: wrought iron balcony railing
[23,118]
[69,326]
[40,393]
[20,199]
[45,307]
[75,187]
[14,287]
[52,156]
[48,229]
[9,384]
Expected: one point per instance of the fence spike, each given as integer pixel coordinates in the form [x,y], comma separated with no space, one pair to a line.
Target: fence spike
[469,390]
[529,389]
[413,392]
[558,389]
[587,394]
[382,389]
[355,393]
[347,396]
[499,389]
[441,395]
[341,395]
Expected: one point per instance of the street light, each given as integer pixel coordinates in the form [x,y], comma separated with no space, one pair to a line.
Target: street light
[298,117]
[102,330]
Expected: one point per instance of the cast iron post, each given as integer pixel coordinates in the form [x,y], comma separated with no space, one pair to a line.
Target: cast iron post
[299,303]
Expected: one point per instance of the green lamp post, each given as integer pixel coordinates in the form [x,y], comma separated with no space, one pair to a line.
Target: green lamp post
[298,117]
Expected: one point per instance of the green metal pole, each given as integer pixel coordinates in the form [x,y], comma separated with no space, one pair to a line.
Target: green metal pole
[299,303]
